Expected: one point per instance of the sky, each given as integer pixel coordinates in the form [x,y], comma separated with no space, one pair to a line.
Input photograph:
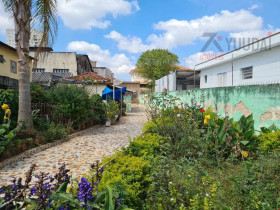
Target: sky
[116,32]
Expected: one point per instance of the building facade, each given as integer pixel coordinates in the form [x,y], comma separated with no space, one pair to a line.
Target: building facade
[35,38]
[103,71]
[253,64]
[9,67]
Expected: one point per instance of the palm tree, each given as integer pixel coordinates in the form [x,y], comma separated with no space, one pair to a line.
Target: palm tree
[42,15]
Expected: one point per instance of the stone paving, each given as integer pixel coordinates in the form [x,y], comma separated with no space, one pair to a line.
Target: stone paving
[80,152]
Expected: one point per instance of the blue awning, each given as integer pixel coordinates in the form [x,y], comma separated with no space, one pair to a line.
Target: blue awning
[109,92]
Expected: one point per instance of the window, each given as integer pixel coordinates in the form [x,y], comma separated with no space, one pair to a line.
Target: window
[60,70]
[2,60]
[13,67]
[205,79]
[247,73]
[222,79]
[39,70]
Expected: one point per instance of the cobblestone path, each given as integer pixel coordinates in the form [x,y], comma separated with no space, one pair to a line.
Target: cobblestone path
[80,152]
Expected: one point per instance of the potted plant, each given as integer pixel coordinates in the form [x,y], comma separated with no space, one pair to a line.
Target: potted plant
[109,117]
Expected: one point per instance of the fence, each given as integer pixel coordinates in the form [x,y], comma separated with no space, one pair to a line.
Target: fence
[263,101]
[46,111]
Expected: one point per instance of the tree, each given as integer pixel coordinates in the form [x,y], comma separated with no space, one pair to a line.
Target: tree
[42,15]
[154,64]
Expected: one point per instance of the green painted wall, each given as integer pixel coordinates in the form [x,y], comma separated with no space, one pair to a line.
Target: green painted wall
[262,100]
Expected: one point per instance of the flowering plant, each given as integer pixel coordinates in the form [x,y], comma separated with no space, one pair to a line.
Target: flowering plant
[6,134]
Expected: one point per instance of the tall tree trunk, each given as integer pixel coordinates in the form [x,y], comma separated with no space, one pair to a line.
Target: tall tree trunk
[22,18]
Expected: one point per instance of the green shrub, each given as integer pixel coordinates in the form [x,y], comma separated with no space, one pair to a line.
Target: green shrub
[55,132]
[98,108]
[41,124]
[38,95]
[150,127]
[129,177]
[72,102]
[269,142]
[147,145]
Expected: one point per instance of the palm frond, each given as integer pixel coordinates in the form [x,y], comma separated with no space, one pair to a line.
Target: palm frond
[45,20]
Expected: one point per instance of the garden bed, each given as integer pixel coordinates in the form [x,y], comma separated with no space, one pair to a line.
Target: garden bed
[40,148]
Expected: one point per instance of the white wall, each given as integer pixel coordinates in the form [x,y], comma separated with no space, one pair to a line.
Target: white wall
[95,89]
[58,60]
[168,82]
[266,69]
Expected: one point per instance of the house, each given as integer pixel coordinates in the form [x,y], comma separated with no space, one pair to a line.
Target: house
[83,64]
[136,88]
[63,62]
[93,83]
[136,77]
[53,65]
[254,63]
[181,79]
[9,67]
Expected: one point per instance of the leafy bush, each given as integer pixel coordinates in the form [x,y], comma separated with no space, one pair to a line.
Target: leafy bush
[72,102]
[129,171]
[38,95]
[98,108]
[143,146]
[269,142]
[55,132]
[129,178]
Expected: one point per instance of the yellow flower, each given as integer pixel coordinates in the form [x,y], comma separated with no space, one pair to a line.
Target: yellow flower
[5,117]
[205,121]
[208,117]
[245,153]
[5,106]
[8,112]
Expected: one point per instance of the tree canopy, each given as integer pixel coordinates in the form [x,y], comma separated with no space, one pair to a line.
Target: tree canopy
[156,63]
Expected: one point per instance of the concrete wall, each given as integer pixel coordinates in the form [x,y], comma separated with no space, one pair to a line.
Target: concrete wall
[262,100]
[263,56]
[59,60]
[95,89]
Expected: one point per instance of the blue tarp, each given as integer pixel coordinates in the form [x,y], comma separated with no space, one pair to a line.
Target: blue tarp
[109,92]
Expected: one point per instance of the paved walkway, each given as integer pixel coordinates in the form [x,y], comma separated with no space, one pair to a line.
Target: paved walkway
[80,152]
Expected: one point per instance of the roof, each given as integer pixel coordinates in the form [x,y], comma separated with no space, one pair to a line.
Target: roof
[91,76]
[11,48]
[44,78]
[182,68]
[216,58]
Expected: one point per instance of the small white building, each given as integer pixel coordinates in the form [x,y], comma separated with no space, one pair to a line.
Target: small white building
[252,64]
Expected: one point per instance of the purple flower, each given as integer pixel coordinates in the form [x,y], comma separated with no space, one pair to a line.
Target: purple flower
[85,191]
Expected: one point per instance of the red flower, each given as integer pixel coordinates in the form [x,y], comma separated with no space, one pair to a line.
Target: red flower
[202,110]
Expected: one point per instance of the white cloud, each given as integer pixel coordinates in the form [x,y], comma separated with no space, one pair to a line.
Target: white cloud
[86,14]
[118,63]
[184,32]
[129,44]
[5,21]
[253,7]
